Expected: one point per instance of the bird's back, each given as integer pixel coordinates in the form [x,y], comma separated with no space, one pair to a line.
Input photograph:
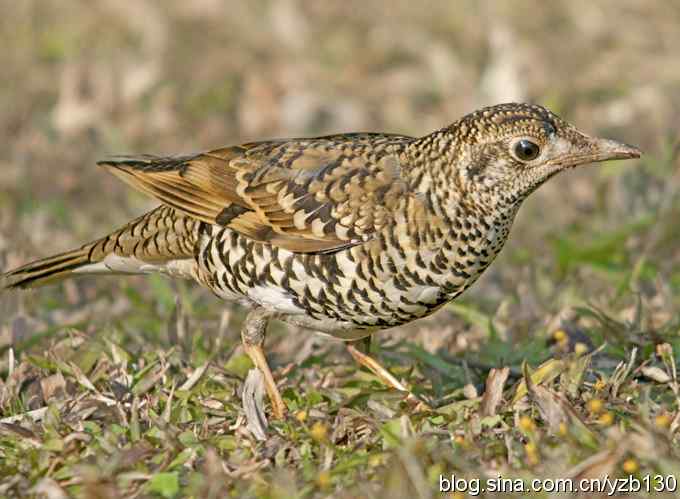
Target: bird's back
[393,260]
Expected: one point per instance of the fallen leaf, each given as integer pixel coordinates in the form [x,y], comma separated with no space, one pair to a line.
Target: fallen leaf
[493,394]
[252,397]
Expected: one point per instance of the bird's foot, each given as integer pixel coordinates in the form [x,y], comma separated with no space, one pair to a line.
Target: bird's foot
[252,336]
[257,356]
[386,377]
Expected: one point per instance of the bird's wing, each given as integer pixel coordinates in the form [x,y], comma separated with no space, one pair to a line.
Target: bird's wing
[304,195]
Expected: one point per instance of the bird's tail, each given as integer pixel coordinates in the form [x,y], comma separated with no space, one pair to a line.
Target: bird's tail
[45,271]
[162,240]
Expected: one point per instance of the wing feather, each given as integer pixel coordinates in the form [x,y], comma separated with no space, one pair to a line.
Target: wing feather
[305,195]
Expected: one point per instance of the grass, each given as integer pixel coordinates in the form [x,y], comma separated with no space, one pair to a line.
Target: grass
[142,408]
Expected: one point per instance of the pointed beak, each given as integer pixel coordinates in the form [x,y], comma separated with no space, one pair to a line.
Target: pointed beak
[606,150]
[594,150]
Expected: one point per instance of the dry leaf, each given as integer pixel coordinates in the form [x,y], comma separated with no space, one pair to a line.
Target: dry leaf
[493,394]
[545,373]
[195,376]
[655,374]
[53,386]
[253,392]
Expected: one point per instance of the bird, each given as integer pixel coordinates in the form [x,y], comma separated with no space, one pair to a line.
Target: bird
[344,234]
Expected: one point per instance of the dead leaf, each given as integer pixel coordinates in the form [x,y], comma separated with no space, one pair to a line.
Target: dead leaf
[470,391]
[253,393]
[49,488]
[25,434]
[655,374]
[53,386]
[545,373]
[548,404]
[493,394]
[572,378]
[621,373]
[598,465]
[195,376]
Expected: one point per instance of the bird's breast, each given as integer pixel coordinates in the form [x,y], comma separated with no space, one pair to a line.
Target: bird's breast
[375,285]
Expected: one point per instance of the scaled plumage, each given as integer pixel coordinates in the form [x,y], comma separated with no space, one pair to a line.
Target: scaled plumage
[344,234]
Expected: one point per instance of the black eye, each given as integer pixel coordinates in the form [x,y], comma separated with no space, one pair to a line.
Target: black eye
[525,150]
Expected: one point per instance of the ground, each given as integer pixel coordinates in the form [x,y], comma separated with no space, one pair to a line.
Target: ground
[131,387]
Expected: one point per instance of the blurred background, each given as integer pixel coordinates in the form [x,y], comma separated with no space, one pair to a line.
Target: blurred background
[82,79]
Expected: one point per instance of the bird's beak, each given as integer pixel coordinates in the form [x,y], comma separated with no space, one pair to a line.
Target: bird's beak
[593,150]
[606,150]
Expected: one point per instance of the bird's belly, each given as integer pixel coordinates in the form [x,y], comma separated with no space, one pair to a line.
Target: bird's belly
[345,294]
[328,326]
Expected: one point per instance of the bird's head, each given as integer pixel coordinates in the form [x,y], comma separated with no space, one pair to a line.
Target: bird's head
[511,149]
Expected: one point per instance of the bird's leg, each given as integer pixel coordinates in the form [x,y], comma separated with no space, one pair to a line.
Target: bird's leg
[374,366]
[252,337]
[364,344]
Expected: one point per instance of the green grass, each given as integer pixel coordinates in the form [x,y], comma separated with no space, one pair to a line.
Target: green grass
[111,411]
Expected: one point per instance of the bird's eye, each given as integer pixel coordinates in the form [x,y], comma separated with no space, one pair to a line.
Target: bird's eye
[525,150]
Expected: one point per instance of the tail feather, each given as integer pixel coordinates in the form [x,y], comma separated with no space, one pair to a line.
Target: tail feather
[152,242]
[45,271]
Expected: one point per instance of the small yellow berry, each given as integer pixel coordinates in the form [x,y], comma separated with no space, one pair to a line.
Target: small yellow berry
[532,453]
[562,430]
[606,419]
[323,479]
[595,406]
[301,416]
[527,424]
[560,335]
[319,432]
[662,421]
[580,348]
[630,466]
